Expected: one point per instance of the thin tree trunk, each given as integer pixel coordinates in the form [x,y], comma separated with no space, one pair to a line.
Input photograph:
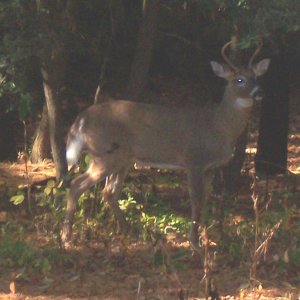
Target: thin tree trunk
[116,12]
[52,61]
[41,148]
[143,53]
[51,83]
[9,128]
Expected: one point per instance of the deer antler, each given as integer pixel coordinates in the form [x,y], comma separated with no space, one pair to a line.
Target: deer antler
[226,59]
[255,53]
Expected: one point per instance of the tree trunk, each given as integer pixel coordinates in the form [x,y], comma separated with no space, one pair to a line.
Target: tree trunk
[10,127]
[41,148]
[143,53]
[271,157]
[52,72]
[53,14]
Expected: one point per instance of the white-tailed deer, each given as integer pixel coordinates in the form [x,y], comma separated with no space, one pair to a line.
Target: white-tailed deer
[119,133]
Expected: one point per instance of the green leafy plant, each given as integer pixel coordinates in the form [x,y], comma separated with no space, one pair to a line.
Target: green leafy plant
[156,217]
[17,199]
[17,254]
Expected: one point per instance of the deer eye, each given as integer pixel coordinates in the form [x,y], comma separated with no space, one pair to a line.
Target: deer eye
[240,81]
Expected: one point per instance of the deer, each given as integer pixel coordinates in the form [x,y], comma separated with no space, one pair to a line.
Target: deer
[117,134]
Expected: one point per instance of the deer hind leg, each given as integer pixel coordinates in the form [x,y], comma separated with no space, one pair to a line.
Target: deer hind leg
[199,184]
[111,194]
[80,184]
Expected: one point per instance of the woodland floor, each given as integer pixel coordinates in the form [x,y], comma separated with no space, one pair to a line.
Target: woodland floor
[121,270]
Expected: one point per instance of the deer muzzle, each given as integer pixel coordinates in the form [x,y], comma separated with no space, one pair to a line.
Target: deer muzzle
[257,93]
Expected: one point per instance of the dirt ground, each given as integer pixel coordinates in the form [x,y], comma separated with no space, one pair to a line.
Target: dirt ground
[117,268]
[112,269]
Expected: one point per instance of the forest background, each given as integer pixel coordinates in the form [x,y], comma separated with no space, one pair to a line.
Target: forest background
[57,57]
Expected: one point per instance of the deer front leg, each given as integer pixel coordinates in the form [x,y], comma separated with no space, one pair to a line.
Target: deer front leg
[78,186]
[199,184]
[111,194]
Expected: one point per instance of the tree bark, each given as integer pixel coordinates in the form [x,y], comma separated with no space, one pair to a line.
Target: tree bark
[9,124]
[41,148]
[143,53]
[52,72]
[271,156]
[54,17]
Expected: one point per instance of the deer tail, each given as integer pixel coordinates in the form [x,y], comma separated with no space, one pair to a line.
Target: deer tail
[75,142]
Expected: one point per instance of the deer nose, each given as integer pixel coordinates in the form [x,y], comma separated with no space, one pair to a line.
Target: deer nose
[257,93]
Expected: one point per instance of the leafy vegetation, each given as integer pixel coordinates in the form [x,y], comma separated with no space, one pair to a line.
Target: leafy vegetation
[20,257]
[152,218]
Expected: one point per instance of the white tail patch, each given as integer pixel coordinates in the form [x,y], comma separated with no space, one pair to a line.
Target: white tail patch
[74,150]
[75,146]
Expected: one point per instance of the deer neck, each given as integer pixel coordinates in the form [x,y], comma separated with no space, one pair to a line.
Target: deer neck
[232,115]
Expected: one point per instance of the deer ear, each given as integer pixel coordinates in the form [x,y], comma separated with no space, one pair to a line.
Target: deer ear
[261,67]
[220,70]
